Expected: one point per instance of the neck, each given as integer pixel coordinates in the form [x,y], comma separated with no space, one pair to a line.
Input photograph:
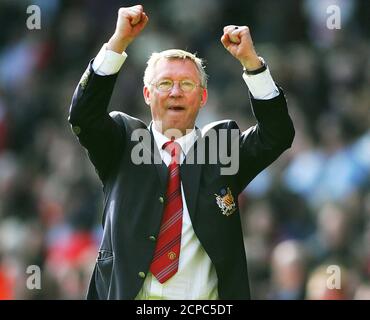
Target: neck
[171,133]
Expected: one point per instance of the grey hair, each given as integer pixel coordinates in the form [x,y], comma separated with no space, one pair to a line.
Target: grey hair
[174,54]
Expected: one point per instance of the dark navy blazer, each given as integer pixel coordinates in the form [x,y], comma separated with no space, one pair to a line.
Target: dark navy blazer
[134,195]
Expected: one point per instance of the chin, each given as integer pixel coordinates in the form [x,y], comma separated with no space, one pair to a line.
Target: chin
[175,127]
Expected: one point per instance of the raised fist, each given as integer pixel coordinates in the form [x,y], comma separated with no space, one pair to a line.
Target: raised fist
[238,41]
[130,22]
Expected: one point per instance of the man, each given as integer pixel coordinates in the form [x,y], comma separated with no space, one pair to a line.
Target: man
[171,227]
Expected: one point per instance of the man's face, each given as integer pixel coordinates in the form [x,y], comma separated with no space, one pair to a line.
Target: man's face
[176,108]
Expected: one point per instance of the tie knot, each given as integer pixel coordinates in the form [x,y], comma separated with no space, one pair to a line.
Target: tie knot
[174,149]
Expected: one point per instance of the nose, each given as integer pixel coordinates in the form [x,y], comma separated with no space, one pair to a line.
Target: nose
[176,90]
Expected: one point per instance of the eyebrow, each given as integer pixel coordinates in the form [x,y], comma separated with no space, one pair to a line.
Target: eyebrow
[180,79]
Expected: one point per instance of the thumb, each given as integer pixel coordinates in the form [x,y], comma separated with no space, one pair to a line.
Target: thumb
[225,40]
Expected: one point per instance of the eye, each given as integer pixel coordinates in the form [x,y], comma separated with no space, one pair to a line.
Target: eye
[187,85]
[164,85]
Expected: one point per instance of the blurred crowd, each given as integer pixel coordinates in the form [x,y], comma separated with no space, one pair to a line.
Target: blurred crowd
[305,216]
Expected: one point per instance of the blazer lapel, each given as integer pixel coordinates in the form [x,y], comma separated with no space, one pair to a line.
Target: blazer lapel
[190,177]
[161,167]
[156,159]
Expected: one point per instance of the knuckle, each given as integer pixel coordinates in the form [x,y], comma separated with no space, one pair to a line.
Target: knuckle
[135,11]
[122,12]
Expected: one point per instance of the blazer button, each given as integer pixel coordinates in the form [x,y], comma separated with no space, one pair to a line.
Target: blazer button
[152,238]
[141,274]
[161,200]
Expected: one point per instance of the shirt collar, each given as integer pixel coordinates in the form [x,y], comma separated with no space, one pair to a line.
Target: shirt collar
[185,142]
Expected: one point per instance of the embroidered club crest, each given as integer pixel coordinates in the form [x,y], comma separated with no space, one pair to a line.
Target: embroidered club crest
[226,202]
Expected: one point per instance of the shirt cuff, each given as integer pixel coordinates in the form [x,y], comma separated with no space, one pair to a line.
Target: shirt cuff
[108,62]
[261,86]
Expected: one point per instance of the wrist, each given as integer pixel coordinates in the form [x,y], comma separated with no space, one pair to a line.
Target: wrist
[117,44]
[256,68]
[252,64]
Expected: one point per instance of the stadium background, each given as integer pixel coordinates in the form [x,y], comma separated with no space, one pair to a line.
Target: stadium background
[309,210]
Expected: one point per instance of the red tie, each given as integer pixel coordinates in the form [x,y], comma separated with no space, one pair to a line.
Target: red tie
[165,262]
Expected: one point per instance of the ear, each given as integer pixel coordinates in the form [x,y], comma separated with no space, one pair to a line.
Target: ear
[203,97]
[146,93]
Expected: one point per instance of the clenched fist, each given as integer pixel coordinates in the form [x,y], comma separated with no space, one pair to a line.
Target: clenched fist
[130,22]
[238,41]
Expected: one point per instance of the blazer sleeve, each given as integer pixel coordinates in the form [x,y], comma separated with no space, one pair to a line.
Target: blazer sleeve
[263,143]
[103,136]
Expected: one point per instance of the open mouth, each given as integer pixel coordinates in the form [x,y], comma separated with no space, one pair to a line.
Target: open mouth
[176,108]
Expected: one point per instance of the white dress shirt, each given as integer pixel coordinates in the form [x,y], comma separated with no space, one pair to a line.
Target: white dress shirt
[196,277]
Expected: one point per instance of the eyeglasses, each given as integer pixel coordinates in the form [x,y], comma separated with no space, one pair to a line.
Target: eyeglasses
[166,85]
